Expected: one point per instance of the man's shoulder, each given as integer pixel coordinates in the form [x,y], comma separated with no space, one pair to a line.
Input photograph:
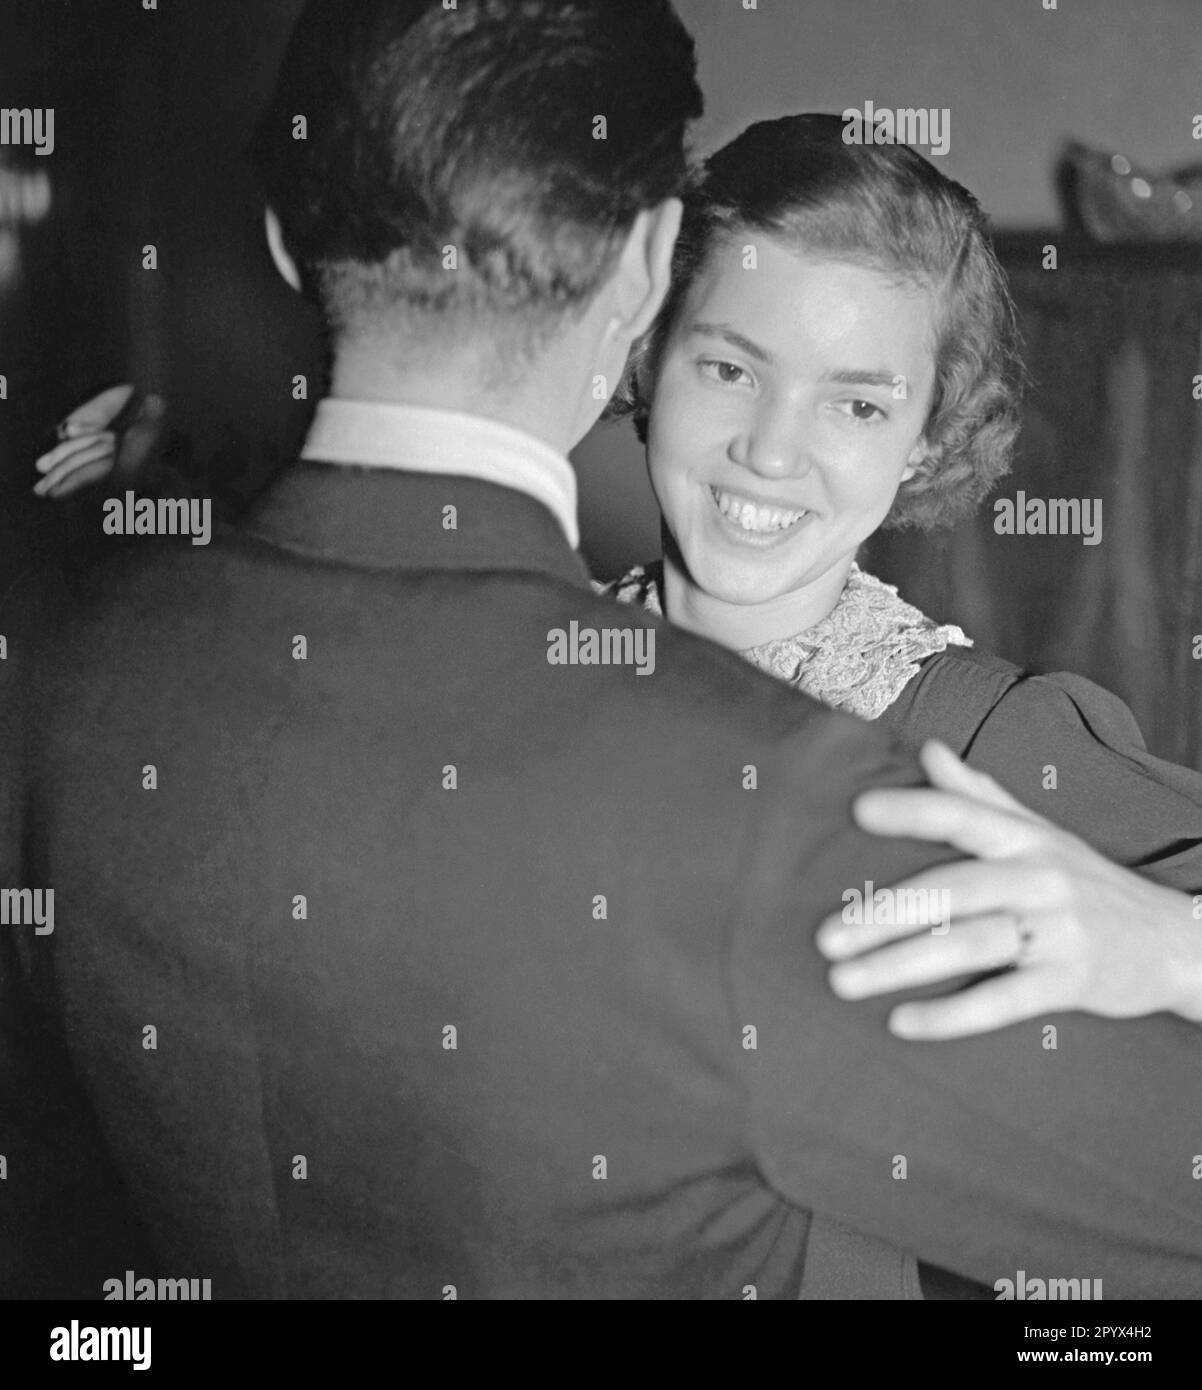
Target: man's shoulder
[700,667]
[699,690]
[129,583]
[632,679]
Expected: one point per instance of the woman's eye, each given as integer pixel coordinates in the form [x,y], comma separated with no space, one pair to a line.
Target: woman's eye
[725,372]
[863,411]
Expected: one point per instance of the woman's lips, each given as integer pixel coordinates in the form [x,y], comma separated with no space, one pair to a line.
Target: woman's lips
[756,523]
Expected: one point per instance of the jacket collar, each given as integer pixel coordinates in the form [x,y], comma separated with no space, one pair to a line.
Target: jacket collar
[387,518]
[419,439]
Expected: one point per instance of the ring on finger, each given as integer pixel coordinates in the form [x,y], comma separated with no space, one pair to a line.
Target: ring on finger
[1025,934]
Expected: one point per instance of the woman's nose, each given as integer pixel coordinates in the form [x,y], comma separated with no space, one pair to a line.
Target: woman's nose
[772,446]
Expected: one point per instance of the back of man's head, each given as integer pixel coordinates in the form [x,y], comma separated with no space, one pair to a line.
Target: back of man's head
[444,165]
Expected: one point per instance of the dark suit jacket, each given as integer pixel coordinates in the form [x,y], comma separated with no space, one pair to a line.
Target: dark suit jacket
[558,1032]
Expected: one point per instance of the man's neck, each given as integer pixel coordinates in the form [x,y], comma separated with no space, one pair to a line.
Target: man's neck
[540,408]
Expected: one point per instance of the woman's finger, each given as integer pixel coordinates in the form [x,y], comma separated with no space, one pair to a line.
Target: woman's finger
[97,453]
[995,1003]
[80,478]
[96,414]
[965,822]
[969,948]
[931,900]
[948,773]
[69,448]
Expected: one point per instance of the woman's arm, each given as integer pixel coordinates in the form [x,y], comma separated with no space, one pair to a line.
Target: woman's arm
[1068,928]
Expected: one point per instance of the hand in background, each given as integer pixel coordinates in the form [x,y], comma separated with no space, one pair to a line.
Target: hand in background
[1076,930]
[92,448]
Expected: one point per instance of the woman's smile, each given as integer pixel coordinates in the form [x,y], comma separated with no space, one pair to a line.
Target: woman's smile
[754,521]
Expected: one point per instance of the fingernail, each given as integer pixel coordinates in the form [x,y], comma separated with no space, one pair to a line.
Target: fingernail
[902,1024]
[829,941]
[865,806]
[845,981]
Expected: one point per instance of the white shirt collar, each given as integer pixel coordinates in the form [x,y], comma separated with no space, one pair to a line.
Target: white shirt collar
[375,434]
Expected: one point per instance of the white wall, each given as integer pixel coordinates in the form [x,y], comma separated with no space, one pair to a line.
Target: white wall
[1017,79]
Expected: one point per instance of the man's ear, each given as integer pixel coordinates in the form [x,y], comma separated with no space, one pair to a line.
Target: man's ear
[644,270]
[279,252]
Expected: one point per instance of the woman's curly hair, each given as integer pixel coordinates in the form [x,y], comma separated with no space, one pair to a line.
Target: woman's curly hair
[798,180]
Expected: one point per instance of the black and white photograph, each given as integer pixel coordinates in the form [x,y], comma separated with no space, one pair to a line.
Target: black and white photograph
[600,670]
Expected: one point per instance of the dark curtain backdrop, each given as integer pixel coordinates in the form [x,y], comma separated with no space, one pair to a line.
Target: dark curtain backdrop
[153,110]
[1113,342]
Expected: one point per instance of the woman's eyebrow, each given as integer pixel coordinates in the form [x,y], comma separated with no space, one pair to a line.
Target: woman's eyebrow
[843,376]
[856,376]
[722,330]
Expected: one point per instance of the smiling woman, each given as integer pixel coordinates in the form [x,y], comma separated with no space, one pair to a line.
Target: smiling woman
[838,353]
[777,437]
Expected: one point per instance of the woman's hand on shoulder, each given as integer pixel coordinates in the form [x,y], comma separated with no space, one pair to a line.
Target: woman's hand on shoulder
[1068,928]
[92,445]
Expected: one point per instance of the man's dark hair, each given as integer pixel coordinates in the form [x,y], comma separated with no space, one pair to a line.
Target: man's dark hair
[473,158]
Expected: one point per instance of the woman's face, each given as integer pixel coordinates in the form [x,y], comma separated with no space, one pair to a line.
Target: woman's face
[788,409]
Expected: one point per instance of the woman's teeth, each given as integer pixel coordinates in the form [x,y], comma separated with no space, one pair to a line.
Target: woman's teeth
[753,518]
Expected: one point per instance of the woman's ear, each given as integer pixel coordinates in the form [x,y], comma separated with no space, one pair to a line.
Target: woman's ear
[279,252]
[922,460]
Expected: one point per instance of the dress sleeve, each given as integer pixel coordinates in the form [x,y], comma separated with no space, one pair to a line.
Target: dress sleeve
[1073,752]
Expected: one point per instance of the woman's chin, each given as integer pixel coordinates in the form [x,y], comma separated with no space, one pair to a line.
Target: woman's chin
[739,586]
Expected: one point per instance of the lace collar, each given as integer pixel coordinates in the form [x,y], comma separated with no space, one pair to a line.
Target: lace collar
[859,658]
